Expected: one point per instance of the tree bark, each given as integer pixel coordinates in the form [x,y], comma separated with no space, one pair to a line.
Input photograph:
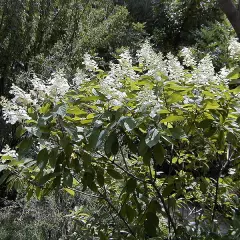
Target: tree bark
[233,14]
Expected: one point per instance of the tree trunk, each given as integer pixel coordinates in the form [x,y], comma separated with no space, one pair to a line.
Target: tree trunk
[233,14]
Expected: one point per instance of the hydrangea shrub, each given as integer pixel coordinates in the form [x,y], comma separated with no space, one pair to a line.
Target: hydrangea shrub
[157,143]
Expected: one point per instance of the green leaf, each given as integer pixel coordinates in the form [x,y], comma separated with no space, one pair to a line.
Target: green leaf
[111,146]
[114,174]
[47,177]
[20,131]
[87,159]
[172,118]
[211,104]
[76,111]
[221,140]
[168,190]
[90,99]
[235,74]
[100,176]
[203,185]
[61,110]
[4,176]
[128,123]
[231,138]
[131,185]
[45,108]
[152,137]
[70,191]
[24,146]
[177,132]
[42,158]
[175,97]
[53,157]
[174,160]
[29,194]
[158,153]
[130,212]
[206,123]
[143,147]
[93,138]
[67,179]
[147,157]
[151,224]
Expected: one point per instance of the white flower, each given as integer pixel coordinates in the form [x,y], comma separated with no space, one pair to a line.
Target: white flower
[59,84]
[152,61]
[147,102]
[204,73]
[188,59]
[234,48]
[80,78]
[175,69]
[20,96]
[7,151]
[90,64]
[126,59]
[55,87]
[13,112]
[222,76]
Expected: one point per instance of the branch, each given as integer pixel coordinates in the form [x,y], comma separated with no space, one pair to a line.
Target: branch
[165,207]
[118,213]
[232,13]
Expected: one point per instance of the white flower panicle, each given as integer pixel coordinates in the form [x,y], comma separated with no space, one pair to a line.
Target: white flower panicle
[80,78]
[89,63]
[151,61]
[222,76]
[147,101]
[204,73]
[20,96]
[12,112]
[234,48]
[126,59]
[188,59]
[58,85]
[112,86]
[174,68]
[7,151]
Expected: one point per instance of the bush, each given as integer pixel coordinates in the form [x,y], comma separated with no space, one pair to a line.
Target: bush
[155,144]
